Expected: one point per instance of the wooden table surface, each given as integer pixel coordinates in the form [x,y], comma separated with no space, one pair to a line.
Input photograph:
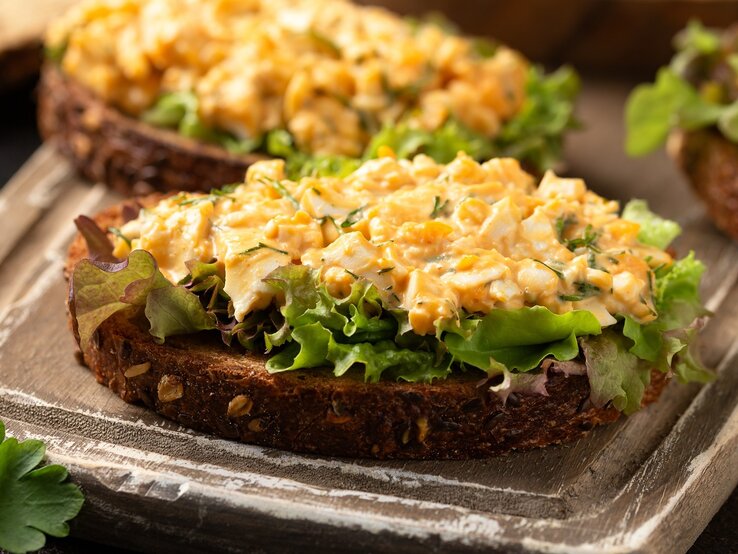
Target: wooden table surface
[604,166]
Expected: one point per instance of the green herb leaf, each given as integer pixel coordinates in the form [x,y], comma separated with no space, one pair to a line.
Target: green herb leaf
[34,499]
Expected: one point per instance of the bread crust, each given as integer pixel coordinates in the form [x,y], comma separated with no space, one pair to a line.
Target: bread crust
[128,155]
[200,383]
[710,162]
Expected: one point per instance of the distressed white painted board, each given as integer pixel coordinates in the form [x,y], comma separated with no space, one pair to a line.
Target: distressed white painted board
[646,484]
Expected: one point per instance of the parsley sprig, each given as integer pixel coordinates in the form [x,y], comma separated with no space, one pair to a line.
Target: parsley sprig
[33,500]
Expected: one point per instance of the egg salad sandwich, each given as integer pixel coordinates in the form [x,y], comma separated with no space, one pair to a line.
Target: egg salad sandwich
[694,103]
[185,94]
[410,309]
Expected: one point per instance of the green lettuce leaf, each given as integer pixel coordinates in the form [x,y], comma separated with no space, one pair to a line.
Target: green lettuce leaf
[442,144]
[323,331]
[100,290]
[519,339]
[669,343]
[653,110]
[535,135]
[316,346]
[655,230]
[615,375]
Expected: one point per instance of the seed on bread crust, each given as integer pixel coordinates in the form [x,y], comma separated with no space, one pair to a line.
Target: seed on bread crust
[170,388]
[136,370]
[255,425]
[240,406]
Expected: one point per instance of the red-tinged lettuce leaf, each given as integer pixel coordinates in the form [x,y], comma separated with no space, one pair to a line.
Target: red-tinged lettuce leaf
[176,311]
[100,290]
[526,383]
[519,339]
[99,245]
[615,375]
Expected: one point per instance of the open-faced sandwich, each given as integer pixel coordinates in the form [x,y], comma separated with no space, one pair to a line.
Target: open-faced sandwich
[184,95]
[409,309]
[694,102]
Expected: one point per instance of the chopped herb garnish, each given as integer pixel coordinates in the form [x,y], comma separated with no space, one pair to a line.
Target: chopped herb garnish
[613,260]
[281,190]
[351,218]
[558,273]
[563,223]
[570,297]
[118,233]
[259,246]
[592,261]
[438,207]
[354,275]
[385,270]
[225,189]
[586,289]
[588,240]
[316,191]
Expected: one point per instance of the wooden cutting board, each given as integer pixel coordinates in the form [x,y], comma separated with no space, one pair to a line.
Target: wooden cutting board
[646,484]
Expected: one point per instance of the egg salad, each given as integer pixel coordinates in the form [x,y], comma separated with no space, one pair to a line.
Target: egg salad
[434,239]
[411,269]
[318,77]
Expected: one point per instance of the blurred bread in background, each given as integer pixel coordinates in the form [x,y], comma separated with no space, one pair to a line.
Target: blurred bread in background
[623,37]
[628,37]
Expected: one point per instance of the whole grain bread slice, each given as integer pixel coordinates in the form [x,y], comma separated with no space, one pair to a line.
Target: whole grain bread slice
[128,155]
[201,383]
[710,162]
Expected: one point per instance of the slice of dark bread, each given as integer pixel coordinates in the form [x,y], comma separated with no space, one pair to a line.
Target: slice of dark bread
[200,383]
[126,154]
[710,162]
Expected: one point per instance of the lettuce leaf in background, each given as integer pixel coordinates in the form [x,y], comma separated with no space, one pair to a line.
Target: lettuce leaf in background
[535,135]
[442,144]
[655,230]
[689,94]
[653,110]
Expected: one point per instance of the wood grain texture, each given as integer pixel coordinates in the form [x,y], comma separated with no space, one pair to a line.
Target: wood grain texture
[649,483]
